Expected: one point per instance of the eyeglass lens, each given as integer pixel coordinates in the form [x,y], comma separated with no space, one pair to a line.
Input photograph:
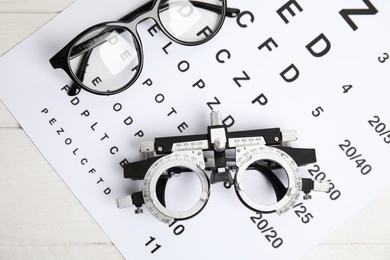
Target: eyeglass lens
[190,21]
[109,59]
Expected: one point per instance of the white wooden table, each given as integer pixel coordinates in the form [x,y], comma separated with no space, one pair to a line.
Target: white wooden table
[40,218]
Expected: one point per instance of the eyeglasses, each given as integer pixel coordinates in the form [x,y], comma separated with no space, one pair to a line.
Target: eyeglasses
[107,58]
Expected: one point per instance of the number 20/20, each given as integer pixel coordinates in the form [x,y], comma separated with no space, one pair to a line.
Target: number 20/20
[269,232]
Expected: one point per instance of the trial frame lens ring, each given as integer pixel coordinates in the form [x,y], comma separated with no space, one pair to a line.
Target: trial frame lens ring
[191,160]
[285,161]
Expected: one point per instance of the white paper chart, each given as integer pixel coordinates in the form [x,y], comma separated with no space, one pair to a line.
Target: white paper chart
[318,67]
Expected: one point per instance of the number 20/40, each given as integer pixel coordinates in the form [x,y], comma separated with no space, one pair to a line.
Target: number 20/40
[351,153]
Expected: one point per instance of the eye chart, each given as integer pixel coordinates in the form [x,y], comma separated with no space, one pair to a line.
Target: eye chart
[318,67]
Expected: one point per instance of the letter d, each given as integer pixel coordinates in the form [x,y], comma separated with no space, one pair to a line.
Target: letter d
[319,53]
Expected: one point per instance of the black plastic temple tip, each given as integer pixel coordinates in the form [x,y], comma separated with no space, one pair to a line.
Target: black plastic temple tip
[74,90]
[141,9]
[232,12]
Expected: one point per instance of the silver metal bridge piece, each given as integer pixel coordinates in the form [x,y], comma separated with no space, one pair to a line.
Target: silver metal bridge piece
[216,118]
[217,135]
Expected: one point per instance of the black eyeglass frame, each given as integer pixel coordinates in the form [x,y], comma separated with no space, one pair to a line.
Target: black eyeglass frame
[61,60]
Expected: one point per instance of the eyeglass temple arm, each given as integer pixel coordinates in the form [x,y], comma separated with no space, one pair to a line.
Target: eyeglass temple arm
[141,9]
[95,41]
[230,12]
[74,88]
[210,7]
